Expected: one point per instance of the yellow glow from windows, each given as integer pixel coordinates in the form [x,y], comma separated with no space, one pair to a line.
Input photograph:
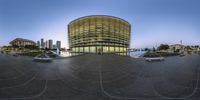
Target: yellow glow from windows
[94,33]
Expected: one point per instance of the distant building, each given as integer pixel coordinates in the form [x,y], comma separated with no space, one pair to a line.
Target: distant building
[50,42]
[38,44]
[196,47]
[46,44]
[177,47]
[22,42]
[58,44]
[42,43]
[54,46]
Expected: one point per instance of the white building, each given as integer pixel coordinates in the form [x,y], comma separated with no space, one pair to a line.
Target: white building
[177,48]
[46,44]
[42,43]
[54,46]
[38,44]
[58,44]
[50,42]
[22,42]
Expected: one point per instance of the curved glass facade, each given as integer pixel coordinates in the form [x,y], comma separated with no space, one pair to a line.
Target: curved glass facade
[93,34]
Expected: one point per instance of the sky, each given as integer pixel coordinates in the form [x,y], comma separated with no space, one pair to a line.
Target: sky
[153,22]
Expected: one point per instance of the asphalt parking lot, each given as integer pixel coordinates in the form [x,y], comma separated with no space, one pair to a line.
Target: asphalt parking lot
[100,77]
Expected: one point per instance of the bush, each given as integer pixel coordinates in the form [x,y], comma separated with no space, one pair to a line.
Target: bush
[158,54]
[32,54]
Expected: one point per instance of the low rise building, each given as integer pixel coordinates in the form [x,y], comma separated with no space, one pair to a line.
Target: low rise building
[22,42]
[177,48]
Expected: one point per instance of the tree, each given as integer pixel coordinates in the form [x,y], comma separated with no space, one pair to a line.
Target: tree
[15,46]
[31,47]
[146,49]
[154,50]
[196,46]
[46,49]
[4,46]
[163,47]
[188,48]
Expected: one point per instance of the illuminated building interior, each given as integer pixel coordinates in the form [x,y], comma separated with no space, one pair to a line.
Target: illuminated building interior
[99,33]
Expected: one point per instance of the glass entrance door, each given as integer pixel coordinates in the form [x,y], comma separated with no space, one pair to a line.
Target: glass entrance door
[99,49]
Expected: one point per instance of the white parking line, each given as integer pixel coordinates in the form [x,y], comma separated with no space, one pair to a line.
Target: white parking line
[188,96]
[31,97]
[19,85]
[162,97]
[15,77]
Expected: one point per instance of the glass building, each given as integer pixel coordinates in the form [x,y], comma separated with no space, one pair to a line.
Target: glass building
[99,33]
